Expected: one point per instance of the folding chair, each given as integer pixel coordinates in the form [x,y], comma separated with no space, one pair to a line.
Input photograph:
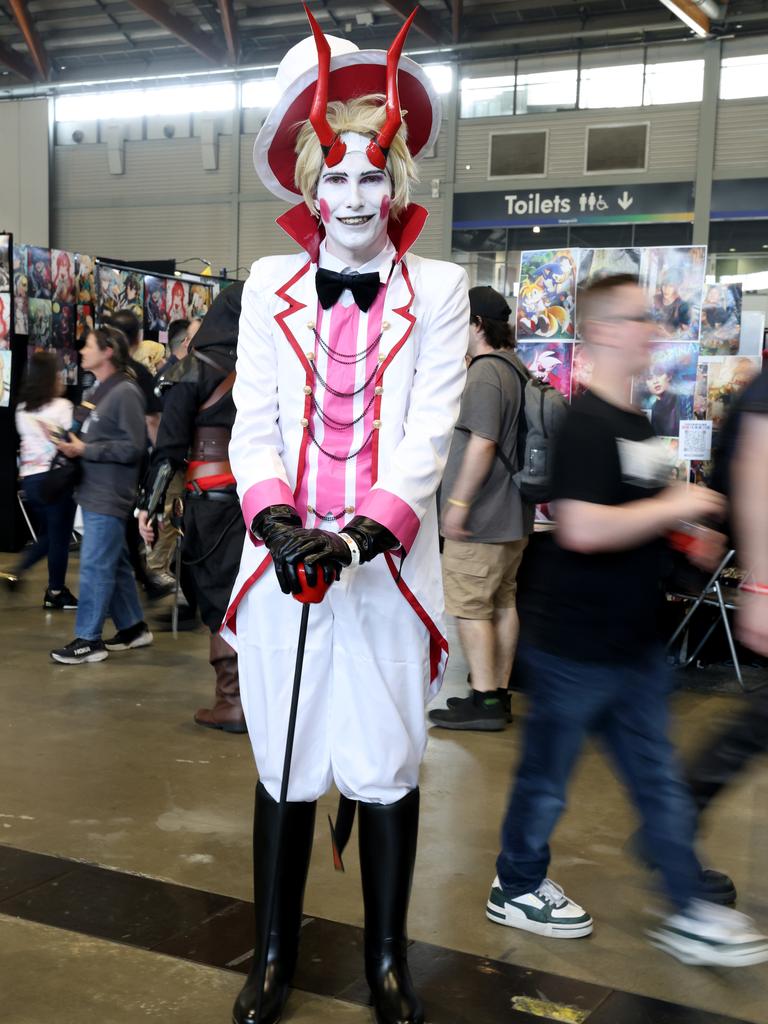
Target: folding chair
[711,596]
[27,520]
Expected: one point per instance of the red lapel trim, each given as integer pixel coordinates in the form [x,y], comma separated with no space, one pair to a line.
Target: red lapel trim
[438,645]
[230,619]
[299,224]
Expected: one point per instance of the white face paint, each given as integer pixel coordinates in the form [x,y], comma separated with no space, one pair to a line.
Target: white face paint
[353,199]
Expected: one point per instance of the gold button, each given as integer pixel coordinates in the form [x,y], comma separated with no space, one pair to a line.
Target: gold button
[310,356]
[378,391]
[385,326]
[349,509]
[305,422]
[382,357]
[376,424]
[307,389]
[310,510]
[311,325]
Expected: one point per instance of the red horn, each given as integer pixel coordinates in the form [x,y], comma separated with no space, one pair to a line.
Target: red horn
[378,148]
[332,146]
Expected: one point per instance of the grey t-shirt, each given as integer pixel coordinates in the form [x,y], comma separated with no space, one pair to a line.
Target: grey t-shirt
[490,407]
[115,438]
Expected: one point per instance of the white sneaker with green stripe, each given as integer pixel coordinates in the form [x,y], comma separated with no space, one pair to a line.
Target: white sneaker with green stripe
[546,911]
[711,936]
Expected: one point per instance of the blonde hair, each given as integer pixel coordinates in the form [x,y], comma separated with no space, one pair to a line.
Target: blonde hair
[365,116]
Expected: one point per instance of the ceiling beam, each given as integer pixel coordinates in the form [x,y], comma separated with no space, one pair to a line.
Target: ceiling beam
[692,13]
[181,27]
[16,63]
[229,24]
[457,12]
[31,38]
[424,22]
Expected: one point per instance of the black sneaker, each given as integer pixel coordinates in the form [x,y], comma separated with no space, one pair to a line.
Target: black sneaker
[502,693]
[481,712]
[65,600]
[158,585]
[126,639]
[80,650]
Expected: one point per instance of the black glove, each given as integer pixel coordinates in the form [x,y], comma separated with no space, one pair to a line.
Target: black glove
[371,537]
[330,552]
[276,525]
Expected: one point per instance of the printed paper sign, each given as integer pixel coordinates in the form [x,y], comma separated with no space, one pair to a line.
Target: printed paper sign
[695,439]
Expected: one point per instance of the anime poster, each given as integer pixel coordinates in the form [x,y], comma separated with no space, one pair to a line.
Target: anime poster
[5,263]
[701,390]
[132,293]
[581,375]
[20,290]
[84,323]
[6,358]
[40,323]
[62,324]
[199,301]
[678,468]
[69,365]
[546,300]
[674,281]
[176,300]
[665,392]
[39,272]
[721,320]
[6,309]
[155,318]
[63,276]
[86,283]
[551,363]
[701,472]
[727,376]
[595,264]
[109,288]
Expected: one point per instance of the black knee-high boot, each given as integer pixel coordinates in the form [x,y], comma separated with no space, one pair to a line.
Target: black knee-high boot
[388,834]
[289,886]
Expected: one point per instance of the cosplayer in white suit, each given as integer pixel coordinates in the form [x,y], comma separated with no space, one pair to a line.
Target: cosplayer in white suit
[346,394]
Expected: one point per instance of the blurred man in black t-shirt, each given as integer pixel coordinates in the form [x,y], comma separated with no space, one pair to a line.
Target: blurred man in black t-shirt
[591,656]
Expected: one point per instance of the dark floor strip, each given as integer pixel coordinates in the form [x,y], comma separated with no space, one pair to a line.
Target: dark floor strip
[190,924]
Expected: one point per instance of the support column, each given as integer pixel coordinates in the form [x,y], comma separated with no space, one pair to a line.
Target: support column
[705,154]
[452,118]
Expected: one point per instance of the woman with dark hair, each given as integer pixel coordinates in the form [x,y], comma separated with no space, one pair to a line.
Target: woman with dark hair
[41,416]
[110,447]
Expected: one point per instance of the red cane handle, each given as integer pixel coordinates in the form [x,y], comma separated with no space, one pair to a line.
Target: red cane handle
[311,594]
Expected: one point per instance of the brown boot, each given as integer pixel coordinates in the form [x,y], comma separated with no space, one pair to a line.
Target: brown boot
[227,712]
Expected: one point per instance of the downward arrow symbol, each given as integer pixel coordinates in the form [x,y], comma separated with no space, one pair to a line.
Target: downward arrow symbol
[626,200]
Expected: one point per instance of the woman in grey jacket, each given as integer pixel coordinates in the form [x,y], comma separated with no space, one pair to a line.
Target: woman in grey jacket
[110,447]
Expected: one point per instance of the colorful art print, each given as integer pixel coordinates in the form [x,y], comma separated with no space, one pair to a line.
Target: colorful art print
[63,276]
[581,373]
[199,301]
[70,366]
[63,324]
[546,299]
[674,281]
[678,468]
[215,291]
[6,310]
[727,376]
[84,322]
[6,362]
[39,272]
[21,310]
[596,264]
[701,472]
[155,318]
[109,288]
[19,260]
[40,323]
[132,293]
[665,392]
[5,263]
[721,320]
[701,390]
[549,362]
[176,300]
[86,285]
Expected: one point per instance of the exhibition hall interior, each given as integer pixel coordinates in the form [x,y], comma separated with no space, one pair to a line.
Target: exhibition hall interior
[384,511]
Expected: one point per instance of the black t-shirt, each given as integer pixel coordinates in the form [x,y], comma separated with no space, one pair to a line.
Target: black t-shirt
[146,385]
[597,607]
[753,399]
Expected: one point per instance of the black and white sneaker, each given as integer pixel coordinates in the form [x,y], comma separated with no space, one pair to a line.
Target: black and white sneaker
[127,639]
[546,911]
[479,712]
[502,693]
[710,936]
[80,650]
[65,600]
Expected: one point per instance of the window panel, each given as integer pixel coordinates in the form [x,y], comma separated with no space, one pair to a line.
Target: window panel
[674,82]
[517,154]
[742,77]
[620,86]
[616,147]
[546,91]
[488,97]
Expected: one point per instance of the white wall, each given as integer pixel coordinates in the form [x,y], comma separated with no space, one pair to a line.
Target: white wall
[24,170]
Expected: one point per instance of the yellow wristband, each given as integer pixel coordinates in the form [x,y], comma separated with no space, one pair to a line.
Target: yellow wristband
[459,504]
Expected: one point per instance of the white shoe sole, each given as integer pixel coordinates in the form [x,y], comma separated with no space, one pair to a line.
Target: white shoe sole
[64,660]
[551,930]
[141,641]
[702,954]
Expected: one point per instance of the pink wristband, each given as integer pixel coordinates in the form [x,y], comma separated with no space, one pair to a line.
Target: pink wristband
[755,588]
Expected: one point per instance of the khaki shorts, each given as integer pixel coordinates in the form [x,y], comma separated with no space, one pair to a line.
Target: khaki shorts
[478,578]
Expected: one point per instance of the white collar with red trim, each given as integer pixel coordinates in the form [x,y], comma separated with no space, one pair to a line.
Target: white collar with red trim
[305,230]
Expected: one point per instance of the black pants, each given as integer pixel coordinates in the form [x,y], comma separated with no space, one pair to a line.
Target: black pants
[53,525]
[214,532]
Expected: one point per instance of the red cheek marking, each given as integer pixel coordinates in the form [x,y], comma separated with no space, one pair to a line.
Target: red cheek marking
[384,211]
[325,211]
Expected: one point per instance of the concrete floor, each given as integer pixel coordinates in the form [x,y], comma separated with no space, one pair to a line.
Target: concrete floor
[102,763]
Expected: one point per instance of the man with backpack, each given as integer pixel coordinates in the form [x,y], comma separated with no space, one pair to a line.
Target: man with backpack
[483,517]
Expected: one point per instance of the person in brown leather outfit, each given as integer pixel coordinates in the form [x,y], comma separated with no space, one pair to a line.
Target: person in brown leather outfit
[194,433]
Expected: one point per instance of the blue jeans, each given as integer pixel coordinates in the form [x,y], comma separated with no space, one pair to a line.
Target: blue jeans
[627,707]
[107,586]
[53,525]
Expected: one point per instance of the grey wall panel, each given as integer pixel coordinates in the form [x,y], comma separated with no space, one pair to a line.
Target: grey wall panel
[430,241]
[741,147]
[259,235]
[24,170]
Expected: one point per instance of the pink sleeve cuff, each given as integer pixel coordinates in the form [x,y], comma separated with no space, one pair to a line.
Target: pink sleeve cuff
[389,510]
[260,496]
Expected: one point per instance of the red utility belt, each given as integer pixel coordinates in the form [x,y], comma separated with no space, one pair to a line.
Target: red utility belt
[208,476]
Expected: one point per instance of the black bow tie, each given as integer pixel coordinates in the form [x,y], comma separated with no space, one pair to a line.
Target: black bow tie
[330,285]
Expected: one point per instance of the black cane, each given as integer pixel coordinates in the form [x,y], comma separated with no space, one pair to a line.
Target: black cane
[309,595]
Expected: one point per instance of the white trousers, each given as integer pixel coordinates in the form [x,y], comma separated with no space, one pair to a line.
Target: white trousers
[361,720]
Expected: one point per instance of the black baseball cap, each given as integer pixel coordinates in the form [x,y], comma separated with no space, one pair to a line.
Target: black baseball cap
[486,301]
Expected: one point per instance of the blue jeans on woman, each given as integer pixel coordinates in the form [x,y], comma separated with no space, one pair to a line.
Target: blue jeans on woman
[107,585]
[626,706]
[53,525]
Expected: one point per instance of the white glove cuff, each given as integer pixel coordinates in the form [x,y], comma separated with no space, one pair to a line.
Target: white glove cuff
[354,549]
